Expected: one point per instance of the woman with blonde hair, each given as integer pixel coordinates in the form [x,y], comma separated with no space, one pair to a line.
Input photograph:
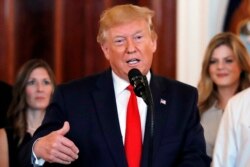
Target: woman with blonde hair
[225,72]
[32,92]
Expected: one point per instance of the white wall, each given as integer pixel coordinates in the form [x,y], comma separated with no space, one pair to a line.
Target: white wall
[197,22]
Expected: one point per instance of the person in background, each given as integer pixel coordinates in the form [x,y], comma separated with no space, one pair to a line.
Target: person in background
[225,72]
[5,99]
[32,92]
[233,137]
[87,122]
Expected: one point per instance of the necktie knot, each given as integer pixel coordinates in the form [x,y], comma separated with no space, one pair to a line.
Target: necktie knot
[130,88]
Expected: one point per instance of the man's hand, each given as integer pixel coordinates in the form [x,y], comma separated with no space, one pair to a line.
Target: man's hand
[55,148]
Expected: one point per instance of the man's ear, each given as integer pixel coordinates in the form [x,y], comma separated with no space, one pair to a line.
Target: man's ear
[154,45]
[105,50]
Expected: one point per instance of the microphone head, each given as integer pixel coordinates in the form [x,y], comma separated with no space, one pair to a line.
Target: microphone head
[132,74]
[136,79]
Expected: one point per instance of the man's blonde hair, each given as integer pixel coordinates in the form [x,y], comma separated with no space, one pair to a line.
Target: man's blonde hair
[122,14]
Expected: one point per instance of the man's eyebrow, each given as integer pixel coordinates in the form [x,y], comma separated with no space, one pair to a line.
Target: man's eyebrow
[139,31]
[119,36]
[124,36]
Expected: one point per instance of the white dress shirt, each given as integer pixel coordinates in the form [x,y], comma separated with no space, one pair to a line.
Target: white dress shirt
[122,96]
[232,146]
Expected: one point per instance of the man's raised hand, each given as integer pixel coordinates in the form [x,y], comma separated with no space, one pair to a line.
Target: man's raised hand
[56,148]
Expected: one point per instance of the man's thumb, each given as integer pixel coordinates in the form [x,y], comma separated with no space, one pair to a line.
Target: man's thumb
[64,129]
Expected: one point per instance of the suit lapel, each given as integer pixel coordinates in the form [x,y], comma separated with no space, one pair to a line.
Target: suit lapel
[104,98]
[108,116]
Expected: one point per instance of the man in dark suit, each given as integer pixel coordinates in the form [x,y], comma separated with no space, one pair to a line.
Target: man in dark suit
[85,124]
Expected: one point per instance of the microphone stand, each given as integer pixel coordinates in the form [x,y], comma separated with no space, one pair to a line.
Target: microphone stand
[141,89]
[150,105]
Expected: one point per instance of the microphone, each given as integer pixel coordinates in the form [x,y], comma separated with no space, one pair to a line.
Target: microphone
[140,84]
[142,89]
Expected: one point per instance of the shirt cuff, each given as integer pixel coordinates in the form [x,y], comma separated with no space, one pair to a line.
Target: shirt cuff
[34,160]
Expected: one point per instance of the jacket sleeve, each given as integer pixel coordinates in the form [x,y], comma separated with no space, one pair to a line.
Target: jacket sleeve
[194,149]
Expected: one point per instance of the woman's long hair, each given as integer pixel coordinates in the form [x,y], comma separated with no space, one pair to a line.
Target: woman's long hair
[207,89]
[17,110]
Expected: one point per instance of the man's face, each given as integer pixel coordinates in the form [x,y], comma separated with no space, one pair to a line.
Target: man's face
[129,45]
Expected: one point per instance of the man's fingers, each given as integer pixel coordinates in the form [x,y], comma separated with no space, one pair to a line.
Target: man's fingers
[55,159]
[69,149]
[61,157]
[69,144]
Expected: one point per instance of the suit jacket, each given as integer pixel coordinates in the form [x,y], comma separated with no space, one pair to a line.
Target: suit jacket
[90,107]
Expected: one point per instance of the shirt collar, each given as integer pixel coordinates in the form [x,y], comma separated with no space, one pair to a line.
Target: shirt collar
[121,84]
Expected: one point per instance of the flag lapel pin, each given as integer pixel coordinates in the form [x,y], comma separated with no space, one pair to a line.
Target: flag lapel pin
[163,101]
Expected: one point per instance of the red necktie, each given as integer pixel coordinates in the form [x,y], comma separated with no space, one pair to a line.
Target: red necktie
[133,137]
